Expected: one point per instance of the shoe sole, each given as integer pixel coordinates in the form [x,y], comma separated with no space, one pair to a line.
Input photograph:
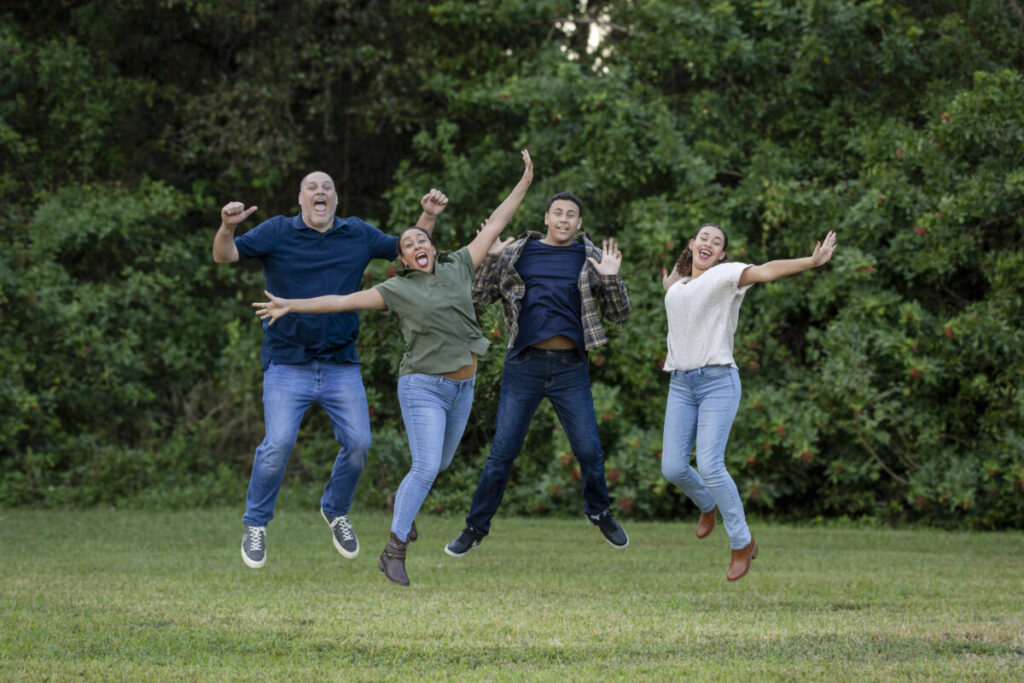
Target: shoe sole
[337,546]
[252,563]
[620,547]
[451,554]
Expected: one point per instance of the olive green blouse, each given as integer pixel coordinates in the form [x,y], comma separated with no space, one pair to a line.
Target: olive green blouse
[435,313]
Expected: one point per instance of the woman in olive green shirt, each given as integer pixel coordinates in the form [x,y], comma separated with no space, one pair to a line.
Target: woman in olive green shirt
[433,301]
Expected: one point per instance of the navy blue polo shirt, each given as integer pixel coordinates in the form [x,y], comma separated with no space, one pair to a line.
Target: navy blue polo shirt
[300,262]
[551,304]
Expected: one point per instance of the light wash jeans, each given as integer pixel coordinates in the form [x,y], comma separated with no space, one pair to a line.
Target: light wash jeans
[435,410]
[288,391]
[562,377]
[702,404]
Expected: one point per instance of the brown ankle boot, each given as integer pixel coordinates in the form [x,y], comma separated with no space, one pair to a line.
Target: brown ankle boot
[707,523]
[390,502]
[392,561]
[741,558]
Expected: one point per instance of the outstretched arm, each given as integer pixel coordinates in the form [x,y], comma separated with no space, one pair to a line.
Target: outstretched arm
[773,270]
[224,249]
[275,307]
[500,217]
[433,204]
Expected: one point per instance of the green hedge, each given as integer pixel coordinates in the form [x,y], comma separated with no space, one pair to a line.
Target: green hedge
[885,386]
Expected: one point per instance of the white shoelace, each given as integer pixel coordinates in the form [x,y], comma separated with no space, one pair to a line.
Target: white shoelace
[343,525]
[256,536]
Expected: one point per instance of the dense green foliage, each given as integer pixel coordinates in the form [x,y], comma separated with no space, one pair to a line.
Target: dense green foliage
[885,385]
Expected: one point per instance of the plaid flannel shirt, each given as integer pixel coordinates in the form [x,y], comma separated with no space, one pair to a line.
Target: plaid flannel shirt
[497,278]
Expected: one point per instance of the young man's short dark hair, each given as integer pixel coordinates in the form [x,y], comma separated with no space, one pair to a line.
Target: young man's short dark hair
[565,195]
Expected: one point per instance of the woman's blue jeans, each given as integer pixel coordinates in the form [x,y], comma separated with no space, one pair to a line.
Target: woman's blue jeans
[288,391]
[435,410]
[702,405]
[533,374]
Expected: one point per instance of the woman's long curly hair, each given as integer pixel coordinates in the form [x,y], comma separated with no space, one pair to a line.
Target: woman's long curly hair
[684,264]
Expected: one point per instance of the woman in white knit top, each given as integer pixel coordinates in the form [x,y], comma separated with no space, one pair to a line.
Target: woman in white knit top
[702,301]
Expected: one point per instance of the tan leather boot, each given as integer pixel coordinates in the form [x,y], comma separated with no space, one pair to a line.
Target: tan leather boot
[390,502]
[392,561]
[741,558]
[707,523]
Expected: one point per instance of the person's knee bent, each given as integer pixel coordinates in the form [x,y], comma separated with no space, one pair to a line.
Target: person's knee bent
[424,473]
[359,445]
[712,471]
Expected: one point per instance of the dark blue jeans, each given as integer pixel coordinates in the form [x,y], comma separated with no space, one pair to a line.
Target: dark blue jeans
[561,377]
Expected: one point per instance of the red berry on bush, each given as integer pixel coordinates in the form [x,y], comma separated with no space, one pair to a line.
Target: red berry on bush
[915,373]
[390,271]
[948,332]
[807,456]
[625,503]
[781,430]
[754,493]
[920,231]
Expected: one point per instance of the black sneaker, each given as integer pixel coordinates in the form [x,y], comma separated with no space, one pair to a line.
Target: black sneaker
[612,530]
[467,540]
[254,545]
[344,536]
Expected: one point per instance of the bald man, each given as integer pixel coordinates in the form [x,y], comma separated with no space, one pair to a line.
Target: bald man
[310,358]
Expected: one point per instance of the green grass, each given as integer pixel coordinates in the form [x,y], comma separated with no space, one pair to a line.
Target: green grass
[164,596]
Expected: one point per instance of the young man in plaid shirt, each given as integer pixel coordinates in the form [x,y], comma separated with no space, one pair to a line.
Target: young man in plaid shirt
[551,286]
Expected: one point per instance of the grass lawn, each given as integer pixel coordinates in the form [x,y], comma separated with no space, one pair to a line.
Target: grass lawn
[128,595]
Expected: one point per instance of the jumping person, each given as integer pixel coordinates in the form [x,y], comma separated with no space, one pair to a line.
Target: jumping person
[433,301]
[550,286]
[702,301]
[310,359]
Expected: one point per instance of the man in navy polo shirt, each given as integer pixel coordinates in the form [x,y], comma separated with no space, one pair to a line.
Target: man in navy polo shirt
[310,358]
[550,286]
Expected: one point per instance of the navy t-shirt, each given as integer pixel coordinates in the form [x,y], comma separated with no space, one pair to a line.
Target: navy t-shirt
[551,304]
[300,262]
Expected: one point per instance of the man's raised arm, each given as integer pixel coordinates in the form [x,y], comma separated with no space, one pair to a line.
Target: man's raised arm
[233,213]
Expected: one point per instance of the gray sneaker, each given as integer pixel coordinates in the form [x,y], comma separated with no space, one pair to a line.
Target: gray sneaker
[612,530]
[254,545]
[344,536]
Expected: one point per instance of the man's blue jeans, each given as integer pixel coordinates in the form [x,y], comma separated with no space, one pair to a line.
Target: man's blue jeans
[435,410]
[534,374]
[702,405]
[288,391]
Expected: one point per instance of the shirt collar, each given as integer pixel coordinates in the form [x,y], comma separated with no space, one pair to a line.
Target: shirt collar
[300,224]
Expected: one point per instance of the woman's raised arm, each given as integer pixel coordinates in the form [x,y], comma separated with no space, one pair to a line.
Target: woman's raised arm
[500,217]
[275,307]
